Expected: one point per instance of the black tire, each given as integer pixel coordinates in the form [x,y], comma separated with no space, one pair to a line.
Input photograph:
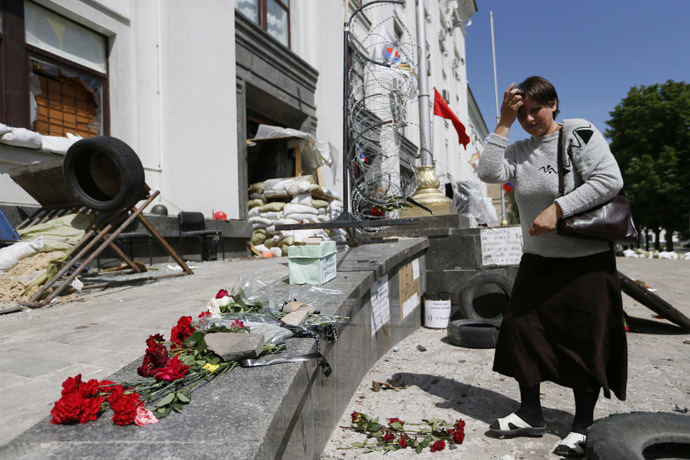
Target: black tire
[474,333]
[653,301]
[639,436]
[104,173]
[470,291]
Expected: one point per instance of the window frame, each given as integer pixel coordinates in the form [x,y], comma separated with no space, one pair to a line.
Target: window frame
[15,99]
[263,18]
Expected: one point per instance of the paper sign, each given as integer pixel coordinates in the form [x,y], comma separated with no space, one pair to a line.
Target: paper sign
[409,305]
[501,245]
[415,269]
[380,304]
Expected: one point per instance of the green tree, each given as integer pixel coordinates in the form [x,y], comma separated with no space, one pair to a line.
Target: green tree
[650,137]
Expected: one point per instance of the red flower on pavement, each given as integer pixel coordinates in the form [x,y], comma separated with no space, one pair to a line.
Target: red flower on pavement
[222,293]
[71,384]
[79,403]
[403,442]
[388,437]
[204,314]
[73,408]
[155,358]
[181,331]
[124,405]
[458,435]
[173,370]
[438,446]
[355,416]
[157,338]
[105,387]
[237,324]
[393,420]
[459,432]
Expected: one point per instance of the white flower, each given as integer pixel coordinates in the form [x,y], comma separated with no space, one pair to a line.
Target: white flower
[214,307]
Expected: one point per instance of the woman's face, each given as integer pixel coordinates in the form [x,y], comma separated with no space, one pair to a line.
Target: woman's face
[537,119]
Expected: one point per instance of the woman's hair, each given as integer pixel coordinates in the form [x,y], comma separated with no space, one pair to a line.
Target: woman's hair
[541,91]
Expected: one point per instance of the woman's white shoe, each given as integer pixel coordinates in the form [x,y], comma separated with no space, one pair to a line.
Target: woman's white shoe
[572,446]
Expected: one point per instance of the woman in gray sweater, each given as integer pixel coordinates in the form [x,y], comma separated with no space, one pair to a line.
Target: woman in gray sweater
[564,322]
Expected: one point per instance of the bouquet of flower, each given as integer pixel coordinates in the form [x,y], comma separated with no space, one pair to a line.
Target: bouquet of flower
[174,368]
[397,435]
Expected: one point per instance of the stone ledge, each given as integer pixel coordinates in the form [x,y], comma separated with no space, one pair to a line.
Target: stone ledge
[280,411]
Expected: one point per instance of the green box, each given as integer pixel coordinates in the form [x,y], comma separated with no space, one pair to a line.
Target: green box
[312,264]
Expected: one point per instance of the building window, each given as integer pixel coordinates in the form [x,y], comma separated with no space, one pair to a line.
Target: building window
[62,86]
[271,15]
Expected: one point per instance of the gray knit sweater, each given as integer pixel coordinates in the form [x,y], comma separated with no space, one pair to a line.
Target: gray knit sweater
[532,166]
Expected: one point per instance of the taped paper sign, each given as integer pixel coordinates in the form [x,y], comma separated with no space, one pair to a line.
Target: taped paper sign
[501,245]
[380,305]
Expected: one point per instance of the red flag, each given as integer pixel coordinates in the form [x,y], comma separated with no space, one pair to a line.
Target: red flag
[444,111]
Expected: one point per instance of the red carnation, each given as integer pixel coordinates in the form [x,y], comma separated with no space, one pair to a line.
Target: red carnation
[153,339]
[80,402]
[91,407]
[403,442]
[173,370]
[222,293]
[105,387]
[156,357]
[71,384]
[181,331]
[89,388]
[124,405]
[438,446]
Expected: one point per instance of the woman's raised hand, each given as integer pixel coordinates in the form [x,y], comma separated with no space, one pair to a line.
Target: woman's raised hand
[512,101]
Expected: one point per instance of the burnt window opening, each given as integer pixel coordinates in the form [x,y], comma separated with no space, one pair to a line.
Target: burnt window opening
[58,81]
[268,158]
[64,101]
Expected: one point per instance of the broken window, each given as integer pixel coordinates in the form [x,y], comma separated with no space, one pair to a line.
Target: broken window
[64,101]
[59,82]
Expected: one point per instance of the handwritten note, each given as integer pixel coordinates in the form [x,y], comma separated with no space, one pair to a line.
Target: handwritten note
[501,245]
[380,304]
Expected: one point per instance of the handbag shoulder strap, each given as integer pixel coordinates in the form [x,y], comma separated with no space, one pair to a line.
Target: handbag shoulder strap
[561,182]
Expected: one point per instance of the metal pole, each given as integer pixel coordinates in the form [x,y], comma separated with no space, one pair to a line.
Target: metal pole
[498,112]
[423,100]
[346,118]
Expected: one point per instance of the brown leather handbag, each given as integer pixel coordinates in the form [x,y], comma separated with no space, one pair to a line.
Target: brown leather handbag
[611,221]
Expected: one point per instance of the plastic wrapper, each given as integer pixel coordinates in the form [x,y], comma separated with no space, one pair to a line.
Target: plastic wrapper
[257,323]
[311,295]
[468,200]
[252,289]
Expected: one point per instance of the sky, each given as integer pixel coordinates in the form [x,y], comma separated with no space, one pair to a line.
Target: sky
[593,51]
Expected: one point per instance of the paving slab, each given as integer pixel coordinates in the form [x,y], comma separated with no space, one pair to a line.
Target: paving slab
[100,333]
[450,382]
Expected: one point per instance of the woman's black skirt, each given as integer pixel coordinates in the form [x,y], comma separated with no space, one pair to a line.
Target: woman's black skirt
[564,324]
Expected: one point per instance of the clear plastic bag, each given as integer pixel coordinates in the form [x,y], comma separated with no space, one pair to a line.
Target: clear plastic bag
[468,200]
[252,289]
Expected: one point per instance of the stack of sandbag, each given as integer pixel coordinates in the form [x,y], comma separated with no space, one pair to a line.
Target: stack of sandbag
[290,201]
